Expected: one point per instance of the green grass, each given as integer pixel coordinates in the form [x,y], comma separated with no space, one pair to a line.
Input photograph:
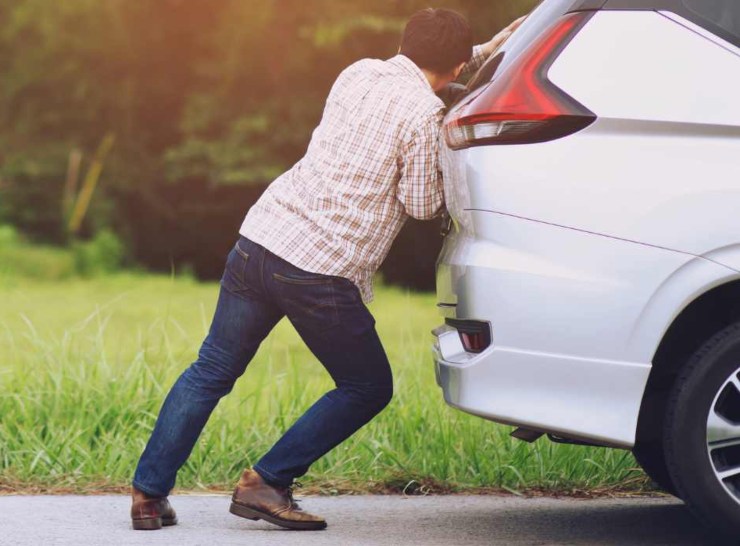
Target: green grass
[86,364]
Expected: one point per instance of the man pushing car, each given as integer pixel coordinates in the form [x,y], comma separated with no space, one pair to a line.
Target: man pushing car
[308,250]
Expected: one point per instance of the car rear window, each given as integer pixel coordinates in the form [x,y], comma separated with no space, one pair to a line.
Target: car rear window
[537,21]
[724,14]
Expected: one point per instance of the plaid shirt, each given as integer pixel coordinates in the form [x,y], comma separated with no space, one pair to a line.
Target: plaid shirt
[371,163]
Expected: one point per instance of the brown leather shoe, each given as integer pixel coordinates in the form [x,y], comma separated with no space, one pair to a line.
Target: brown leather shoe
[255,499]
[150,513]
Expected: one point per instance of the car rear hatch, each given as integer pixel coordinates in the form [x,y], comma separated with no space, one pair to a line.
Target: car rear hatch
[510,100]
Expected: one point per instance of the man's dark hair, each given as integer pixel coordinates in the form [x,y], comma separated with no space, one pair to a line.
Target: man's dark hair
[437,39]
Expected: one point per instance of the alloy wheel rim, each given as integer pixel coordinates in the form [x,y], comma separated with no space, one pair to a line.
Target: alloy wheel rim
[723,435]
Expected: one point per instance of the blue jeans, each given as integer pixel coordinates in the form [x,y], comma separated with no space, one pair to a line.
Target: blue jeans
[257,290]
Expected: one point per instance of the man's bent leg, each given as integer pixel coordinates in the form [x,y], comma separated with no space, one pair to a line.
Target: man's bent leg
[340,331]
[243,318]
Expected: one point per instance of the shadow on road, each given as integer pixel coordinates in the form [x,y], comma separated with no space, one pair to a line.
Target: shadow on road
[587,524]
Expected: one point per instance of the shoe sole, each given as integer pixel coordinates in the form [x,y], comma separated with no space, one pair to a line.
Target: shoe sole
[250,513]
[152,524]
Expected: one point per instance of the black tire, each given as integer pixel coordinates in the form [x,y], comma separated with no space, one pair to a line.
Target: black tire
[685,434]
[651,457]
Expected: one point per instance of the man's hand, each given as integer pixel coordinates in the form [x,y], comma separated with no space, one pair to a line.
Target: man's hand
[489,48]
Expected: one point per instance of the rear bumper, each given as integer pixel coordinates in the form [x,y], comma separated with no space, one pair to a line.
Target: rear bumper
[576,398]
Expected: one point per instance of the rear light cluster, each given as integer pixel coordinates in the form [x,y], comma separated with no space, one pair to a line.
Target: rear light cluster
[521,105]
[474,334]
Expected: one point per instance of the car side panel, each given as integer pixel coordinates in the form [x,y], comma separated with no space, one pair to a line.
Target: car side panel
[563,291]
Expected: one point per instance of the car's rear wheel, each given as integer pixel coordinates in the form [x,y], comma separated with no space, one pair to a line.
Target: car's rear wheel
[702,432]
[651,457]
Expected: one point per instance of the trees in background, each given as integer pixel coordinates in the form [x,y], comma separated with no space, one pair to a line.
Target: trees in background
[207,100]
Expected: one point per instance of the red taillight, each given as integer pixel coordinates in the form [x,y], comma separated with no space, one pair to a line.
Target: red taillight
[521,105]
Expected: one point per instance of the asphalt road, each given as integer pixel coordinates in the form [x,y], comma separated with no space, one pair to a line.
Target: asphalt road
[362,520]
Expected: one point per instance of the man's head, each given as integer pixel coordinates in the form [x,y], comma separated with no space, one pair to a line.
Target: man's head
[439,41]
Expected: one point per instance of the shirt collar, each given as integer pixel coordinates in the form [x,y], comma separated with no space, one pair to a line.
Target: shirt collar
[410,68]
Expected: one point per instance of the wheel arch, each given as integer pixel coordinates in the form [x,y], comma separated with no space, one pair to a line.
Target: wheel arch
[707,314]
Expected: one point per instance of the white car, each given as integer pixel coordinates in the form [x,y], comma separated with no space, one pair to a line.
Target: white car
[590,279]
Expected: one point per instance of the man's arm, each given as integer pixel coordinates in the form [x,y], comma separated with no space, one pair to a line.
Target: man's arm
[420,187]
[476,61]
[483,51]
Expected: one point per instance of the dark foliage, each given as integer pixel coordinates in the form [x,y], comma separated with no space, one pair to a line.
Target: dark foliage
[208,101]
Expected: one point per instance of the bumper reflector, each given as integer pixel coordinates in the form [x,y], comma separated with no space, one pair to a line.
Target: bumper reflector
[474,334]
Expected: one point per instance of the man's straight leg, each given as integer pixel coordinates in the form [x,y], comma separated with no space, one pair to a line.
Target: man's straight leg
[243,318]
